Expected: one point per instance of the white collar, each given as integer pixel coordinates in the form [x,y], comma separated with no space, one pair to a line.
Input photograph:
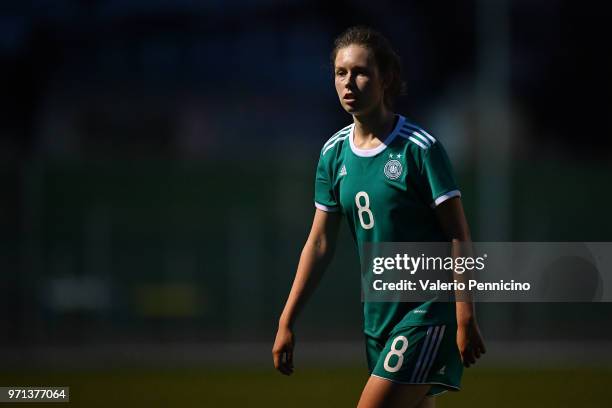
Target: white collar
[374,151]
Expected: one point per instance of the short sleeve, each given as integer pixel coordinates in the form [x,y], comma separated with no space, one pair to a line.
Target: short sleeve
[437,175]
[325,199]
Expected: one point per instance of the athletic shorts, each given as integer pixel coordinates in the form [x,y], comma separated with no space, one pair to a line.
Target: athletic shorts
[418,355]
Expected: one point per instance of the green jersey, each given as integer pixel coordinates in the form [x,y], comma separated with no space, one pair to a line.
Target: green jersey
[388,194]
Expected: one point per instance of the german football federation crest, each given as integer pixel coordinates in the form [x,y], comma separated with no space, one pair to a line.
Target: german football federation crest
[393,169]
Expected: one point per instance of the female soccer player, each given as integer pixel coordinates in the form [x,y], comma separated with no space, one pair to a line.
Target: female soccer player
[392,181]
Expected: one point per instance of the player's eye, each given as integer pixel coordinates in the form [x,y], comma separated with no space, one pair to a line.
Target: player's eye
[362,72]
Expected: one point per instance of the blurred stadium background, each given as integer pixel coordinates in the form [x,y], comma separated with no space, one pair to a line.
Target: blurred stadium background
[157,165]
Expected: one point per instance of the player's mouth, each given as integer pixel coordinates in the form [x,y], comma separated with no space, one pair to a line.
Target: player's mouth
[349,98]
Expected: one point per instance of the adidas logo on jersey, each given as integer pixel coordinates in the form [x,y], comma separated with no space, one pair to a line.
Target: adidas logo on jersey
[342,171]
[442,371]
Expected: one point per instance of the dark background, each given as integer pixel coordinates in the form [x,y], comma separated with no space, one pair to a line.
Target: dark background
[157,161]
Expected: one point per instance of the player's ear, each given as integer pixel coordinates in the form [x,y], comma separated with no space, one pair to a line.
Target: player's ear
[387,80]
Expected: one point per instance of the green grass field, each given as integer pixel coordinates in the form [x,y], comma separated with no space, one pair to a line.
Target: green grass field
[340,387]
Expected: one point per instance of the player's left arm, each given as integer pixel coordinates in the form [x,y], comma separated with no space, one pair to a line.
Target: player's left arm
[452,219]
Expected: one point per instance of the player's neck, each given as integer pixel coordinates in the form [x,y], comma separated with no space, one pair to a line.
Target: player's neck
[372,128]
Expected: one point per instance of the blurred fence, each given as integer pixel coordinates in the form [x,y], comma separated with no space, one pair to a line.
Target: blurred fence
[161,251]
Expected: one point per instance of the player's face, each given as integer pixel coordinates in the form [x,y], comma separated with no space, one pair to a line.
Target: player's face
[358,82]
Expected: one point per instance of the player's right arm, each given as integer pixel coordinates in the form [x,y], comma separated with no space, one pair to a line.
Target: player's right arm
[316,255]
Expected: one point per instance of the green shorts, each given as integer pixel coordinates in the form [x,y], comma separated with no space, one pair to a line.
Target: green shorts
[418,355]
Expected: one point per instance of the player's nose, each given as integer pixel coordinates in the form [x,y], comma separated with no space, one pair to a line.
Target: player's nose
[349,83]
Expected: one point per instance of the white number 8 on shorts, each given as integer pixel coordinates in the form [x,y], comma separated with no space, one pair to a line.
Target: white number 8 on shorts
[399,352]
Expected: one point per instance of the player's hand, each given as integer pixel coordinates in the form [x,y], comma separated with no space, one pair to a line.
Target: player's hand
[470,343]
[282,351]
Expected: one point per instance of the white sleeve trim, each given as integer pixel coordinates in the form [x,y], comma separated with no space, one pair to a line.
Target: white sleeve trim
[446,196]
[326,208]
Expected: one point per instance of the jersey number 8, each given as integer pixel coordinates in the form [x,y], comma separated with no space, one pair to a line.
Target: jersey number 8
[364,209]
[398,352]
